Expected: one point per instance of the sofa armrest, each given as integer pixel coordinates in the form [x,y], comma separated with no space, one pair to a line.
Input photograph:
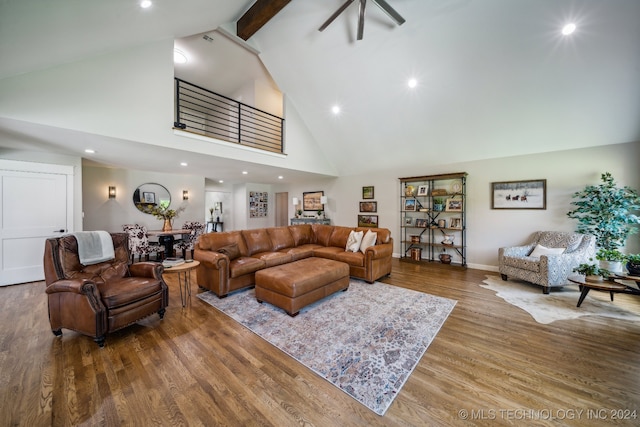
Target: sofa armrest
[379,251]
[211,259]
[146,269]
[77,286]
[516,251]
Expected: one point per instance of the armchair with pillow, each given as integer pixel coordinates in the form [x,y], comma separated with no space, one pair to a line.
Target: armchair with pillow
[548,259]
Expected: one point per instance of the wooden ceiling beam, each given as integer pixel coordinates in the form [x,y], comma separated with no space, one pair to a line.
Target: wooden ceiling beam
[257,16]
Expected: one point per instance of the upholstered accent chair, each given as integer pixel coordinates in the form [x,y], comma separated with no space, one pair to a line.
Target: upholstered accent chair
[103,297]
[188,243]
[139,243]
[548,259]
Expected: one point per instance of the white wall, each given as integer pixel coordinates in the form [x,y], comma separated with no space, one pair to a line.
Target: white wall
[102,213]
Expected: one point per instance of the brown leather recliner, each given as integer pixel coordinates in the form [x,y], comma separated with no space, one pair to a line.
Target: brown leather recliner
[101,298]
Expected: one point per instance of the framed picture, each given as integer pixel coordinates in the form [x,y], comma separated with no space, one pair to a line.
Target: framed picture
[410,205]
[455,223]
[311,201]
[453,205]
[148,197]
[531,194]
[421,223]
[408,221]
[367,220]
[367,192]
[368,206]
[423,190]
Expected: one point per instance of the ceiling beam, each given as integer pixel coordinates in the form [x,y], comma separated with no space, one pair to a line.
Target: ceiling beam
[257,16]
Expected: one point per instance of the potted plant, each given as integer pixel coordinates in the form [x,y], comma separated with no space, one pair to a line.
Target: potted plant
[438,204]
[606,212]
[591,272]
[610,259]
[165,214]
[633,264]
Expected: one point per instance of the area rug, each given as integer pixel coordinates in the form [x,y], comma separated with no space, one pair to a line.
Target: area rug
[560,303]
[365,341]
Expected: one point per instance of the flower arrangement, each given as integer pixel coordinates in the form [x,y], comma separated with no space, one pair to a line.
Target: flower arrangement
[164,213]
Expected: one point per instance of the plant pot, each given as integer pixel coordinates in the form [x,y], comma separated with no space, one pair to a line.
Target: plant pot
[612,266]
[445,258]
[438,208]
[633,269]
[593,278]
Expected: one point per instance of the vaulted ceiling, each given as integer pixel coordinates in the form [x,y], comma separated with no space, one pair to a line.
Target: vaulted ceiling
[495,78]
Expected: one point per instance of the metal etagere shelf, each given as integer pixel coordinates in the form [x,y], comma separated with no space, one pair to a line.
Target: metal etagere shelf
[433,218]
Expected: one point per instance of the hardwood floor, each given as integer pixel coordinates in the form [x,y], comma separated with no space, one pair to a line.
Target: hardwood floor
[490,364]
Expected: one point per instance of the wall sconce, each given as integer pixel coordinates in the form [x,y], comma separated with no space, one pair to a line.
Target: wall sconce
[112,191]
[185,194]
[295,201]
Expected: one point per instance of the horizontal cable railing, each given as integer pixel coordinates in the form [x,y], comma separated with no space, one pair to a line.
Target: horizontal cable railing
[207,113]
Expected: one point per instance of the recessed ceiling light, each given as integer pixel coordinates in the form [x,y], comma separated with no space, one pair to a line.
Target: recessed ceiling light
[568,29]
[179,57]
[280,177]
[335,109]
[412,83]
[221,181]
[184,164]
[244,172]
[145,4]
[90,151]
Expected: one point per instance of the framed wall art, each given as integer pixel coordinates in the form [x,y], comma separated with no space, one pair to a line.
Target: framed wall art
[530,194]
[258,204]
[367,192]
[408,221]
[423,190]
[368,206]
[311,201]
[455,223]
[410,205]
[367,220]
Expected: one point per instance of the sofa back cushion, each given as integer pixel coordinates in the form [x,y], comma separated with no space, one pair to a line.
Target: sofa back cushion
[302,234]
[323,234]
[216,240]
[281,238]
[339,236]
[560,239]
[257,240]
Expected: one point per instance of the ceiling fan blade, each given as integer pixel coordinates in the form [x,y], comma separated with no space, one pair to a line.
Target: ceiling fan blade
[390,11]
[363,4]
[335,15]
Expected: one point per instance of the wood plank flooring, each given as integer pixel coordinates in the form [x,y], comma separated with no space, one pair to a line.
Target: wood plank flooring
[490,364]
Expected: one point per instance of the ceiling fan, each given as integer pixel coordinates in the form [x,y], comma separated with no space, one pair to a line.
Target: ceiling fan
[363,3]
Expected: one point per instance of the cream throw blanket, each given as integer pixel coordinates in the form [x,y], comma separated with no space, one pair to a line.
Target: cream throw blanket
[94,247]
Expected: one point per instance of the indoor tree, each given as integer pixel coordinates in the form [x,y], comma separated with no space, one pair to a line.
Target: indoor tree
[606,211]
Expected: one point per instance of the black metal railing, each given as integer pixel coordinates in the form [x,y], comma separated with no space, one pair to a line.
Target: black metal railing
[207,113]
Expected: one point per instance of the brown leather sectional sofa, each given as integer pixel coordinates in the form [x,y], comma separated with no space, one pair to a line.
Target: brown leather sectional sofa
[229,260]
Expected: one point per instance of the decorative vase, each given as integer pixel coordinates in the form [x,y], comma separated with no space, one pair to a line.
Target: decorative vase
[633,269]
[612,266]
[167,225]
[445,258]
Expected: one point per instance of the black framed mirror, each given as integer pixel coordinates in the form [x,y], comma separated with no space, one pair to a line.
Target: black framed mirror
[151,195]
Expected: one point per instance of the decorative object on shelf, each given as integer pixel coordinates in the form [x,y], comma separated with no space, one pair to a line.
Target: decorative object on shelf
[438,204]
[444,257]
[408,190]
[408,221]
[312,201]
[456,187]
[258,204]
[530,194]
[455,223]
[423,190]
[410,205]
[453,205]
[368,221]
[448,239]
[438,192]
[442,223]
[421,223]
[416,254]
[368,206]
[367,192]
[415,238]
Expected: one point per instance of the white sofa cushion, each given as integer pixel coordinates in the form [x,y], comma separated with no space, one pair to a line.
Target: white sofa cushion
[543,250]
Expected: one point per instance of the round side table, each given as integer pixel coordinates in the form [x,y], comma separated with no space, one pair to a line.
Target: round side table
[184,277]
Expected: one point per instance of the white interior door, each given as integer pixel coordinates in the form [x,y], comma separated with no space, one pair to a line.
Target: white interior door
[34,207]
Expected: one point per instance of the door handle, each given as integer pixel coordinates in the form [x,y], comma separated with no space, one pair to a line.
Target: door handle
[59,231]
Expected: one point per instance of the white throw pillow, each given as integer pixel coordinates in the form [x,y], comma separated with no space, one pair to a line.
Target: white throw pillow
[353,241]
[369,239]
[543,250]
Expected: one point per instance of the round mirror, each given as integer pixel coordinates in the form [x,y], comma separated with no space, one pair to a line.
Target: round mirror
[151,195]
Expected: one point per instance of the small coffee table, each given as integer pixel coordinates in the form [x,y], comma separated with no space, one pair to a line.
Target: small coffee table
[184,277]
[605,286]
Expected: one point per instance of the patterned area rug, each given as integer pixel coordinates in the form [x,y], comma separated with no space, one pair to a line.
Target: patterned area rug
[560,303]
[366,341]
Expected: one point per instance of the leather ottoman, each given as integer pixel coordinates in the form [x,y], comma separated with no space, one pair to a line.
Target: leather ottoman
[297,284]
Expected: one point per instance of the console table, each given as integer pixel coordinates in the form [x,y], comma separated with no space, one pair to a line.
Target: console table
[295,221]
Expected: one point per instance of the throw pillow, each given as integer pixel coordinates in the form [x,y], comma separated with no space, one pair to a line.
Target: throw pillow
[543,250]
[369,239]
[353,241]
[231,251]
